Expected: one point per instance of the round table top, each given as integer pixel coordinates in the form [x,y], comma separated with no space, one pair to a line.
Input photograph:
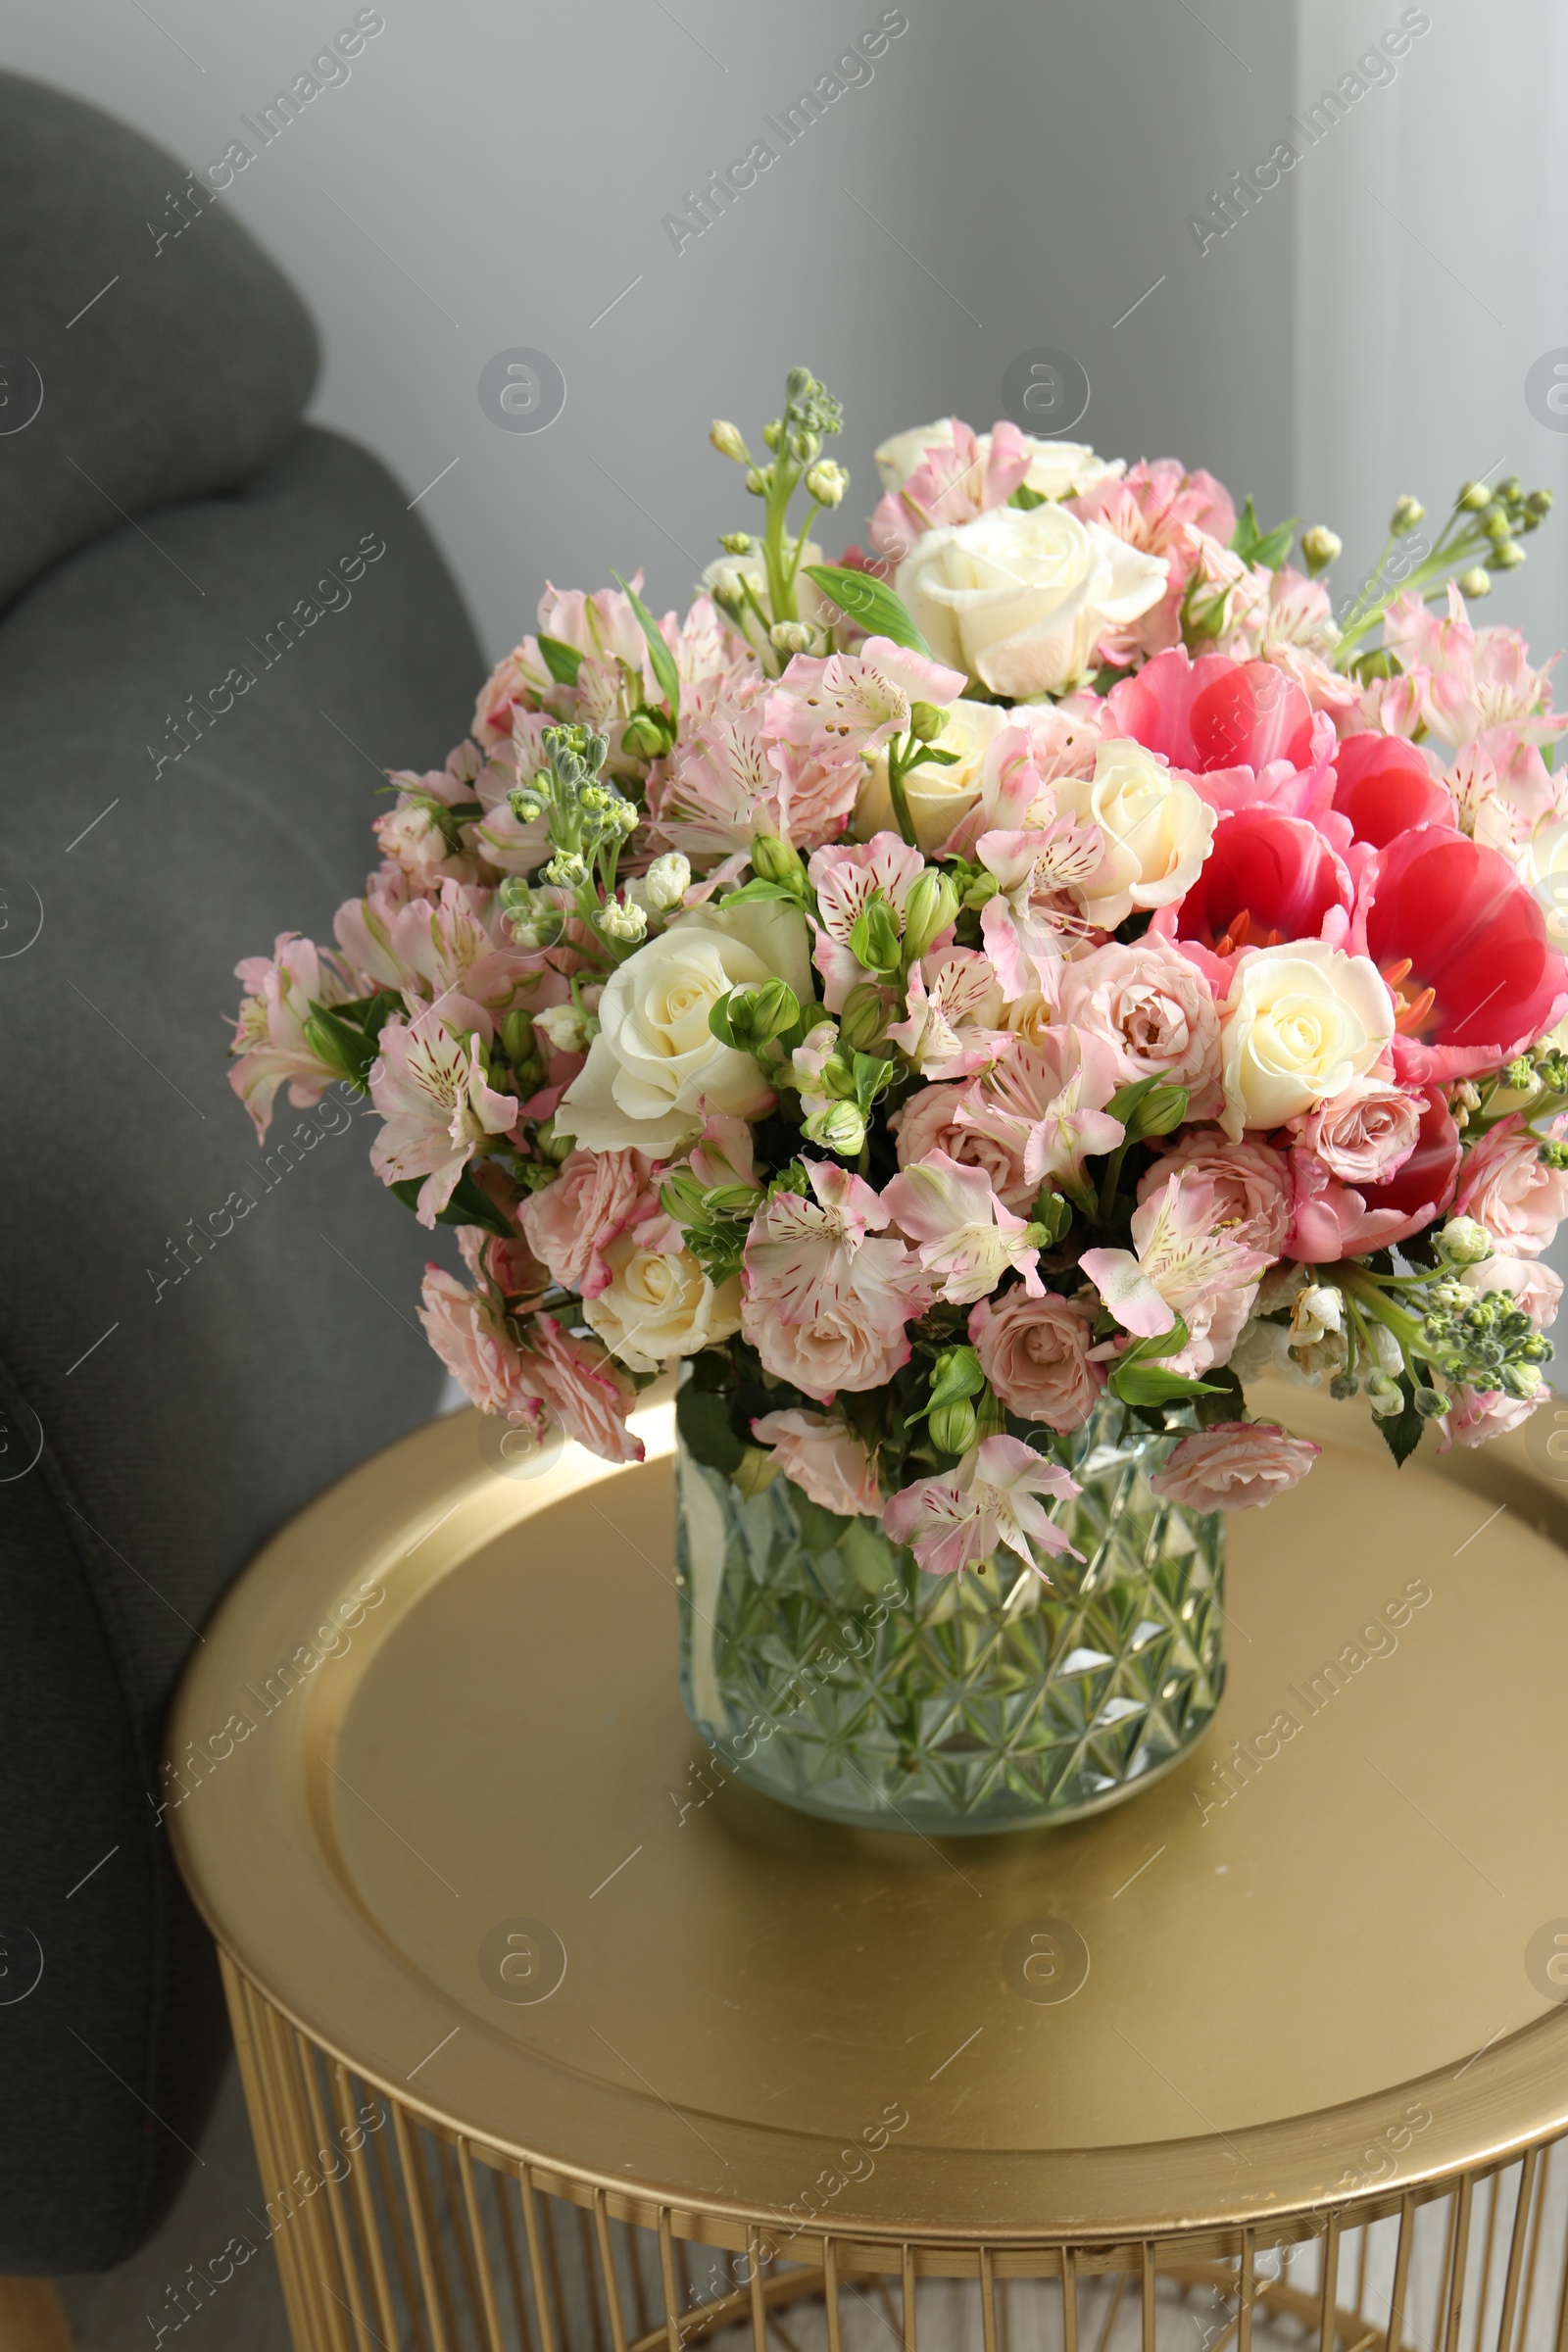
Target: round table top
[437,1723]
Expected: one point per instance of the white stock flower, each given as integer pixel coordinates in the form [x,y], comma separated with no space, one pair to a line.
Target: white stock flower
[1021,600]
[1302,1020]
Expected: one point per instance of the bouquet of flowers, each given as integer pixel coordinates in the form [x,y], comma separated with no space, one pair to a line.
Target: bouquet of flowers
[1048,954]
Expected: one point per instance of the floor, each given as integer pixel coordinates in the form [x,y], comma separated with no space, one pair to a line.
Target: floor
[142,2303]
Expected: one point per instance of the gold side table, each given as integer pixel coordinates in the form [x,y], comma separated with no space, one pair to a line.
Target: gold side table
[557,2039]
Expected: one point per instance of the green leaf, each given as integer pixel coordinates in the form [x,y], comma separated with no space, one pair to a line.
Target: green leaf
[1254,545]
[1149,1384]
[870,602]
[659,653]
[1402,1432]
[468,1205]
[1159,1344]
[703,1417]
[341,1044]
[750,892]
[820,1528]
[1125,1101]
[561,661]
[1026,498]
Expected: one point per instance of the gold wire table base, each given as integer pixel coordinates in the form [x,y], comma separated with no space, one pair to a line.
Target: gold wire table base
[392,2232]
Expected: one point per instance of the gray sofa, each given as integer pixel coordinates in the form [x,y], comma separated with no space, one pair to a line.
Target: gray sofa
[178,1375]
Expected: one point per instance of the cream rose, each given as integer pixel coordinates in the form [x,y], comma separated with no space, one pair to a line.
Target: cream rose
[656,1069]
[1056,469]
[1020,600]
[938,796]
[656,1307]
[1156,831]
[1300,1022]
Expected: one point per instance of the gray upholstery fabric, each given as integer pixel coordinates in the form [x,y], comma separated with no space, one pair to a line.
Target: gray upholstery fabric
[191,366]
[180,1426]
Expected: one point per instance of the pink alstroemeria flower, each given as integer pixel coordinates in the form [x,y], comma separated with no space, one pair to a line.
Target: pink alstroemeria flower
[846,878]
[270,1046]
[433,1093]
[1186,1265]
[957,1522]
[1046,1105]
[954,1006]
[963,1234]
[810,1256]
[1033,919]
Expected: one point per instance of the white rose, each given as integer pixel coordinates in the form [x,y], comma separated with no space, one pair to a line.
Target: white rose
[1020,601]
[1056,469]
[1155,829]
[656,1307]
[938,796]
[656,1069]
[1302,1020]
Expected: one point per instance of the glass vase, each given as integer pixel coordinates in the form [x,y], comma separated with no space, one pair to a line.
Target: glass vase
[828,1670]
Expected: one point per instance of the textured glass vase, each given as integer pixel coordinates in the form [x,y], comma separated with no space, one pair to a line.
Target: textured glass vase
[828,1670]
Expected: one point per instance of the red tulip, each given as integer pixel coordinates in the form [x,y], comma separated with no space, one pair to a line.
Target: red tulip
[1213,713]
[1463,945]
[1383,786]
[1266,878]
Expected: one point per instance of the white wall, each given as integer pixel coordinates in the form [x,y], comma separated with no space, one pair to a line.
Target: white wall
[1030,167]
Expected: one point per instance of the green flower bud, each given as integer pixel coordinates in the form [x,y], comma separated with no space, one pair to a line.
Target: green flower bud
[1494,522]
[757,481]
[798,383]
[682,1197]
[1507,556]
[926,722]
[728,441]
[1473,583]
[550,1145]
[736,543]
[517,1036]
[1344,1385]
[1473,497]
[1052,1215]
[1384,1394]
[1320,547]
[874,939]
[774,433]
[953,1428]
[840,1128]
[1407,512]
[863,1021]
[931,906]
[1508,488]
[792,636]
[644,736]
[1429,1402]
[776,860]
[773,1008]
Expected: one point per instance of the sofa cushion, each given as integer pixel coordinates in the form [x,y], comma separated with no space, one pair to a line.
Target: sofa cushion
[196,1334]
[142,361]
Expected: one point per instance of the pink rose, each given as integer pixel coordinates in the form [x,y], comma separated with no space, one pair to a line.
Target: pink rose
[840,1348]
[825,1460]
[1363,1133]
[1532,1286]
[1331,1220]
[573,1222]
[468,1332]
[1234,1466]
[1035,1354]
[1252,1183]
[1475,1417]
[927,1124]
[590,1396]
[1506,1186]
[1156,1010]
